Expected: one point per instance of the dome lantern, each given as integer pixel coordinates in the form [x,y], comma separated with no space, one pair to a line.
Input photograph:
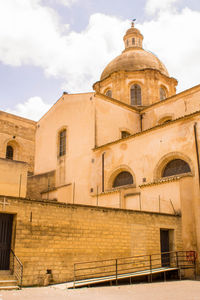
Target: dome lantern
[133,38]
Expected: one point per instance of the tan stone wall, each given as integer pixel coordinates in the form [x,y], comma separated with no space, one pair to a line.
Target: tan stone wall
[40,183]
[111,119]
[163,197]
[88,120]
[55,236]
[13,178]
[146,155]
[180,105]
[20,134]
[148,152]
[63,194]
[76,114]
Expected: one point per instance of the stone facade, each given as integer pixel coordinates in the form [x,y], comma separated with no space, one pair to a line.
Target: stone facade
[106,135]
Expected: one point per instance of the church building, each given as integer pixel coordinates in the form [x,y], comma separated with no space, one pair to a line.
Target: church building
[105,174]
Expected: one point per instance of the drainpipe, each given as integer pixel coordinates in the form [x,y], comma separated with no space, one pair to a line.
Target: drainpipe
[141,117]
[197,149]
[95,124]
[103,159]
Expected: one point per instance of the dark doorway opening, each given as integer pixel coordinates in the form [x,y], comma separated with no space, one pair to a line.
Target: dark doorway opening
[164,245]
[6,222]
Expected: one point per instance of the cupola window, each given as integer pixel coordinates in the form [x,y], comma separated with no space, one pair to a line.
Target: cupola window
[133,41]
[109,93]
[162,94]
[136,95]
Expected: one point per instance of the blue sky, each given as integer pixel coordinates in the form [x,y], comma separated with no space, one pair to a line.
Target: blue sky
[51,46]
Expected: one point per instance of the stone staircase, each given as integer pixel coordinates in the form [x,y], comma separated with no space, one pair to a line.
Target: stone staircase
[8,281]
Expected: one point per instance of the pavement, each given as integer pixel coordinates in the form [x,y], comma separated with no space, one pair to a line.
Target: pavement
[173,290]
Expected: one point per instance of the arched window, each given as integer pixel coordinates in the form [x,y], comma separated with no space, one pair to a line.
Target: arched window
[136,95]
[124,134]
[123,178]
[162,94]
[133,41]
[62,142]
[175,167]
[9,152]
[109,93]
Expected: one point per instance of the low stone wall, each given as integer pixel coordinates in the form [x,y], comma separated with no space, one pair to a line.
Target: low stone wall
[53,236]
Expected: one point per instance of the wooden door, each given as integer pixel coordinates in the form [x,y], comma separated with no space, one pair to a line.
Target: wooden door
[164,245]
[6,221]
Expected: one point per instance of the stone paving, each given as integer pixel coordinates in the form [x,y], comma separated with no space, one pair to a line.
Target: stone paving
[176,290]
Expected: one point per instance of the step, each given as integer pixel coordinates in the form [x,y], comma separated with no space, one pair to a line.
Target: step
[8,282]
[7,277]
[5,272]
[12,287]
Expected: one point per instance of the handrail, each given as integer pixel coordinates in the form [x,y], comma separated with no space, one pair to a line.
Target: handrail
[16,267]
[118,266]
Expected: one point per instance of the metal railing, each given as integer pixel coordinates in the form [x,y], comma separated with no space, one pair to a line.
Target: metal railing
[115,269]
[16,267]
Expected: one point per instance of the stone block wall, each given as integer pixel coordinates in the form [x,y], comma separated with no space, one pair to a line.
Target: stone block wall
[20,134]
[40,183]
[54,236]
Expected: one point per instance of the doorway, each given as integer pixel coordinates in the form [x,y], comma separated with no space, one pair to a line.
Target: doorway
[6,222]
[164,246]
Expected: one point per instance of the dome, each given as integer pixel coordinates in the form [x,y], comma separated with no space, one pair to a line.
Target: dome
[134,59]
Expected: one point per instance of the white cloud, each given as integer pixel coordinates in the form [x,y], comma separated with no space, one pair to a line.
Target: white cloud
[154,6]
[62,2]
[32,34]
[173,37]
[34,108]
[67,2]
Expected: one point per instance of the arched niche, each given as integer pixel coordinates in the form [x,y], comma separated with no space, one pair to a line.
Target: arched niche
[12,150]
[9,152]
